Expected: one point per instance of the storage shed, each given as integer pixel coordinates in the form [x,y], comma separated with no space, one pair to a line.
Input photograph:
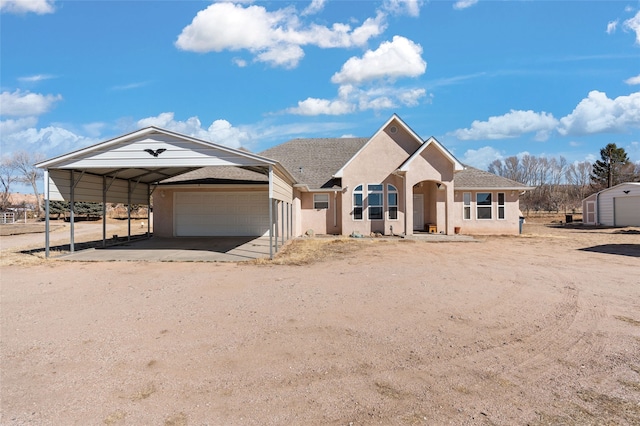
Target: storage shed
[615,206]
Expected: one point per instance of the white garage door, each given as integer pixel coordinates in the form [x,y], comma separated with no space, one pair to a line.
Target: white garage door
[199,214]
[627,211]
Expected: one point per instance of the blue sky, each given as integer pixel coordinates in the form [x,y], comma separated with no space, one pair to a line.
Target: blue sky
[488,79]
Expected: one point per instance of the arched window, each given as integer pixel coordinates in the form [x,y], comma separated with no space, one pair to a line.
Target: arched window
[392,201]
[375,201]
[358,203]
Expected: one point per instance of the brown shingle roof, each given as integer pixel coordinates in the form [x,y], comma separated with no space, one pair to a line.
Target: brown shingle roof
[313,162]
[218,175]
[472,178]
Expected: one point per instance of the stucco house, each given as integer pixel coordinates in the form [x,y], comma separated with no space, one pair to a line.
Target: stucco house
[391,183]
[615,206]
[359,185]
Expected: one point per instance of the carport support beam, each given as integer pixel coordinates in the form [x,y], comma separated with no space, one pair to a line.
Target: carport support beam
[128,210]
[46,213]
[71,213]
[104,211]
[275,216]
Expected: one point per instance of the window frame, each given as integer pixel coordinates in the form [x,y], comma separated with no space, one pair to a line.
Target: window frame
[485,207]
[392,190]
[358,190]
[377,208]
[316,202]
[501,206]
[466,206]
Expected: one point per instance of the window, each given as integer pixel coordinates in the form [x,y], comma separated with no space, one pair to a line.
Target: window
[320,201]
[392,202]
[500,205]
[483,205]
[357,203]
[375,200]
[466,205]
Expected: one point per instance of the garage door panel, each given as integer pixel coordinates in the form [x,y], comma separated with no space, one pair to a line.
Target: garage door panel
[627,211]
[221,214]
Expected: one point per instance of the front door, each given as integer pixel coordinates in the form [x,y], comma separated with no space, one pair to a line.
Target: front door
[418,212]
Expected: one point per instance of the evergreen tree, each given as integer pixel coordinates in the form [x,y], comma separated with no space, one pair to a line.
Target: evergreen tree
[80,208]
[612,169]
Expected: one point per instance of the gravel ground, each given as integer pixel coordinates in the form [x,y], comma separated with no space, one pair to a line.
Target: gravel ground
[542,328]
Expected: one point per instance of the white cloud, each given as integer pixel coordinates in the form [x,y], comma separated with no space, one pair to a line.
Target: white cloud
[50,141]
[411,97]
[315,7]
[403,7]
[400,57]
[266,34]
[21,103]
[463,4]
[482,157]
[13,126]
[285,55]
[25,6]
[220,131]
[351,99]
[313,106]
[510,125]
[241,63]
[633,80]
[35,78]
[598,114]
[130,86]
[633,24]
[611,26]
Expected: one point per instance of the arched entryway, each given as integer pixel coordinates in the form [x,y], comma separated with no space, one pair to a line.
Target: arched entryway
[430,207]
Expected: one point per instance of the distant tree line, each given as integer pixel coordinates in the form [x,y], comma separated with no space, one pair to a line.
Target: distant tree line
[560,186]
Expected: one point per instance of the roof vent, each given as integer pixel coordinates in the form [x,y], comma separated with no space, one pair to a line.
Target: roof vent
[393,129]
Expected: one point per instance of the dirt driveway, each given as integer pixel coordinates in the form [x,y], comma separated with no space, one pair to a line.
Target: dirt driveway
[538,329]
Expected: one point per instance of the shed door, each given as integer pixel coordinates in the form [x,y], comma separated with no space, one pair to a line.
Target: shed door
[627,211]
[208,214]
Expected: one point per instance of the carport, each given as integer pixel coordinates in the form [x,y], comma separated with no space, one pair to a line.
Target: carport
[128,169]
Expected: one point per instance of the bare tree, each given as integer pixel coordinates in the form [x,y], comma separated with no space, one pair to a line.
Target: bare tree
[24,163]
[7,177]
[579,177]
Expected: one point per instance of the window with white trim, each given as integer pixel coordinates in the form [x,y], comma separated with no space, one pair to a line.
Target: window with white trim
[357,203]
[501,205]
[320,201]
[483,205]
[466,203]
[392,202]
[375,200]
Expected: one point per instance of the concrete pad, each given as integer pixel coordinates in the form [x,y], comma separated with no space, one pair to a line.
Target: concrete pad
[186,249]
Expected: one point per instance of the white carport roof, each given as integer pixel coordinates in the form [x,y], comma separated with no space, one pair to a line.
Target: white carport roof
[153,154]
[123,170]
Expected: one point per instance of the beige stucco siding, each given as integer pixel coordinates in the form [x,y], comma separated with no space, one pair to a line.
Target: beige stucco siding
[375,164]
[510,225]
[321,221]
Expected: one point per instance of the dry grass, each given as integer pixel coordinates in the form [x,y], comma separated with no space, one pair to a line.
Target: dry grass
[11,258]
[305,251]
